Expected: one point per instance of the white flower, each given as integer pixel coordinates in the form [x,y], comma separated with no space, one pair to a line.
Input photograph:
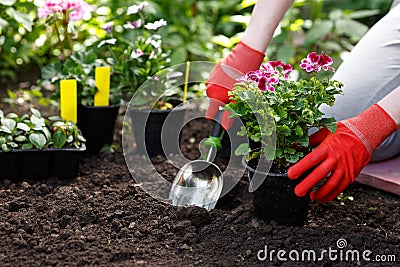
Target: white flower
[134,9]
[137,53]
[156,43]
[157,24]
[109,41]
[108,26]
[133,24]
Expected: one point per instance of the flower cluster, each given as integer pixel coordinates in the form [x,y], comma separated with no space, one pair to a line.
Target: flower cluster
[61,15]
[135,53]
[271,104]
[315,62]
[270,73]
[73,10]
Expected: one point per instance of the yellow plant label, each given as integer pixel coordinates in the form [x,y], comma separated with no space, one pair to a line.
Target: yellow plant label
[102,78]
[68,100]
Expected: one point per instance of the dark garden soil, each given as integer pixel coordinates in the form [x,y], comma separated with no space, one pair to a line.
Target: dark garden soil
[103,218]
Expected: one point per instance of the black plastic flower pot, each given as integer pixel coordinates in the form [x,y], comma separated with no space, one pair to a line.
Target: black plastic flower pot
[150,125]
[41,164]
[97,125]
[275,200]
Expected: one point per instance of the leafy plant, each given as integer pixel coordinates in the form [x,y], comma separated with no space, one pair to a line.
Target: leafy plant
[133,48]
[14,47]
[193,25]
[269,102]
[333,26]
[35,132]
[81,67]
[61,15]
[30,97]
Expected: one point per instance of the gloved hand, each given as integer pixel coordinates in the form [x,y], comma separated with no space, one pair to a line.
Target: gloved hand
[340,156]
[223,77]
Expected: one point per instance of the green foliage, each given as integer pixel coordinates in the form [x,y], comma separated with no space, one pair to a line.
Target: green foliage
[280,120]
[135,53]
[194,24]
[34,131]
[15,46]
[332,26]
[33,97]
[81,67]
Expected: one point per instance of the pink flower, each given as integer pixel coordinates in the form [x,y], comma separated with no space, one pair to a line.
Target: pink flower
[264,79]
[275,67]
[50,7]
[315,62]
[253,76]
[75,9]
[325,61]
[311,62]
[286,69]
[137,53]
[265,83]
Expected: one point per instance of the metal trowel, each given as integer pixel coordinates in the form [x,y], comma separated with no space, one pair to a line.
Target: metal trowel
[200,182]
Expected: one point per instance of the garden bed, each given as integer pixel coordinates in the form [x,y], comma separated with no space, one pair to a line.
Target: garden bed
[103,218]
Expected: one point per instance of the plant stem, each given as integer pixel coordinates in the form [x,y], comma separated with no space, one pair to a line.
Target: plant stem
[68,37]
[60,41]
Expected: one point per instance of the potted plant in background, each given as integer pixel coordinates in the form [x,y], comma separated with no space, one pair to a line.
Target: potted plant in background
[61,16]
[134,50]
[96,120]
[157,113]
[37,147]
[277,113]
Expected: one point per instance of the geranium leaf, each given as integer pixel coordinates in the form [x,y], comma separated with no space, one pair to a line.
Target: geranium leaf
[242,150]
[299,132]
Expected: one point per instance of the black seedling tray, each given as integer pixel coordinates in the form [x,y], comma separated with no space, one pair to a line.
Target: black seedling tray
[39,164]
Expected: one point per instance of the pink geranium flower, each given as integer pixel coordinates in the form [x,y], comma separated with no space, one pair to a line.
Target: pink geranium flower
[325,61]
[74,9]
[315,62]
[264,79]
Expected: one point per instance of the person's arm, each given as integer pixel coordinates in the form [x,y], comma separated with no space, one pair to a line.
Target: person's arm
[266,16]
[340,156]
[391,104]
[247,55]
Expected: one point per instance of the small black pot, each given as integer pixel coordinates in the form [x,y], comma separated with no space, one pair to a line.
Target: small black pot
[149,124]
[275,200]
[97,125]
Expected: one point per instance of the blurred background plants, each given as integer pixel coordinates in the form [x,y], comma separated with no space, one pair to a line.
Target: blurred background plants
[196,30]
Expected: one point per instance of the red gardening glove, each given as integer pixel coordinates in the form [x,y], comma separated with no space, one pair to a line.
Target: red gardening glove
[223,77]
[340,156]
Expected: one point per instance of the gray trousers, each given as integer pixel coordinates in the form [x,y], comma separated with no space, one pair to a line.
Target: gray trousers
[369,72]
